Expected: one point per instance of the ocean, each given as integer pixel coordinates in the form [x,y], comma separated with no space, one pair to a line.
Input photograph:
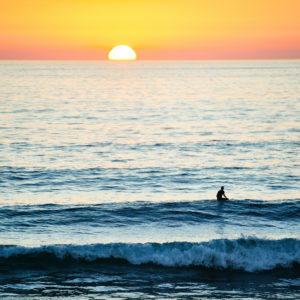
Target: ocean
[109,173]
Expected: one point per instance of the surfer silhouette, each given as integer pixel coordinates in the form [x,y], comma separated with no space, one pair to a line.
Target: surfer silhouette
[221,194]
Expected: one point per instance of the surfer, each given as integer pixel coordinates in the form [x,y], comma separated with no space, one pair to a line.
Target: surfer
[221,193]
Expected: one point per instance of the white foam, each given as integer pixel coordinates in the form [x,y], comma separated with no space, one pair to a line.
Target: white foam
[247,254]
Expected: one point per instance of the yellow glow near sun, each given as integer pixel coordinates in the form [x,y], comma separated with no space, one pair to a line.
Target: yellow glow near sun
[122,52]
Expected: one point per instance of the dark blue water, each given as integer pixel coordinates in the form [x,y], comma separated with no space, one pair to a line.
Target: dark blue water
[109,174]
[192,249]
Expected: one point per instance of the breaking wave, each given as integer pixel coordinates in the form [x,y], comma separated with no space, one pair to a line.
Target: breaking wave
[245,254]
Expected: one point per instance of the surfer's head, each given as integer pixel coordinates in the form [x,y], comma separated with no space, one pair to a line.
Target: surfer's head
[222,187]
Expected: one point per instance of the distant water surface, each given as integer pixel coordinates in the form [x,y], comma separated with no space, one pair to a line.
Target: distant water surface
[109,172]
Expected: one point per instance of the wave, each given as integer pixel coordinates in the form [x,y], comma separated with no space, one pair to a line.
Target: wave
[168,214]
[244,254]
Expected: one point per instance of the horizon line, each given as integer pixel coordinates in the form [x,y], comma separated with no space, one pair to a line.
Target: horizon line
[136,60]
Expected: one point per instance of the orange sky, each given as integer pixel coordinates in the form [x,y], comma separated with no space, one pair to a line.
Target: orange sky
[156,29]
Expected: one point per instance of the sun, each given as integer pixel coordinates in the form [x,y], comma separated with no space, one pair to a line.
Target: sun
[122,52]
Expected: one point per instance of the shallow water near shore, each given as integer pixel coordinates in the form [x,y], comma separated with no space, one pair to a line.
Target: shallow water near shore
[109,173]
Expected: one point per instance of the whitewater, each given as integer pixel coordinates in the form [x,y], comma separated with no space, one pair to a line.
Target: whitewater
[109,173]
[249,254]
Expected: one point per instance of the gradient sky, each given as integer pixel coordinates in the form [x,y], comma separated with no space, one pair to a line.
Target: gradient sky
[156,29]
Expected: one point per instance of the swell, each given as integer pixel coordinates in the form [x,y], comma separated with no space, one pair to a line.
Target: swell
[244,254]
[136,213]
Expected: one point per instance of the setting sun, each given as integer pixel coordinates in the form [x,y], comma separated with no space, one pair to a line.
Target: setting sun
[122,52]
